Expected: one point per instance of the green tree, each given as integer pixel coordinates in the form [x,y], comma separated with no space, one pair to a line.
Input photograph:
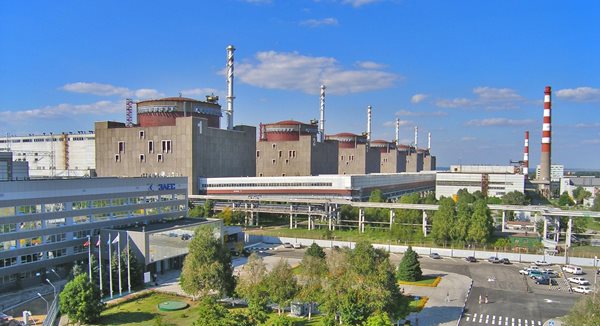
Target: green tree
[580,194]
[596,205]
[584,312]
[463,194]
[207,267]
[281,284]
[80,300]
[136,270]
[409,268]
[379,319]
[376,214]
[460,228]
[481,226]
[315,251]
[515,198]
[312,273]
[565,200]
[430,199]
[211,313]
[443,220]
[252,287]
[196,211]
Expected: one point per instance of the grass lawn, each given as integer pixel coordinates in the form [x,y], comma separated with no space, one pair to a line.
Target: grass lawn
[144,311]
[417,305]
[584,251]
[430,281]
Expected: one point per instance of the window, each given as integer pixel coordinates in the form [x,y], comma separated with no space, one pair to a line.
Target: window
[121,147]
[159,157]
[274,145]
[273,162]
[280,153]
[287,161]
[142,158]
[342,158]
[117,158]
[257,153]
[166,146]
[142,134]
[150,146]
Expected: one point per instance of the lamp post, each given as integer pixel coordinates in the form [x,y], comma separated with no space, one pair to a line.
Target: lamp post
[55,273]
[47,306]
[53,287]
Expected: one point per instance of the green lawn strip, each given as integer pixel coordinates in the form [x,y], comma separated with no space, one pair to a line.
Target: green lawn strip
[431,281]
[144,311]
[417,305]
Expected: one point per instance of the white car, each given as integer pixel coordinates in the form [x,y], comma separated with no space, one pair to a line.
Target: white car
[573,269]
[524,271]
[578,280]
[542,263]
[582,289]
[297,246]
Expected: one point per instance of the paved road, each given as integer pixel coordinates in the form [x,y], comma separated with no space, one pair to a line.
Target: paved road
[510,295]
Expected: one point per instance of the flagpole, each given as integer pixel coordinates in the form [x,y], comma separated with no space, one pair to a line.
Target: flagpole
[100,262]
[110,266]
[89,240]
[128,266]
[119,259]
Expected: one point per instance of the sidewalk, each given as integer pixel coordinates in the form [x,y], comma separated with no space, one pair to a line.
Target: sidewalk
[446,301]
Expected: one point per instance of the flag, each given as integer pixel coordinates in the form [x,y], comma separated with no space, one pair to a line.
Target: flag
[98,242]
[116,239]
[87,243]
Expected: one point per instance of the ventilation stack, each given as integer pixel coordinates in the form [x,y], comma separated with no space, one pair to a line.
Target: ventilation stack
[230,96]
[397,131]
[322,117]
[369,123]
[546,137]
[526,155]
[416,138]
[429,141]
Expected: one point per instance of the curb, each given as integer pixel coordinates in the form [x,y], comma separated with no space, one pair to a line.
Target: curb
[462,312]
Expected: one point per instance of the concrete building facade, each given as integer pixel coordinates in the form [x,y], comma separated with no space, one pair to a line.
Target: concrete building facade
[190,147]
[588,183]
[45,223]
[493,181]
[355,154]
[414,161]
[66,154]
[12,170]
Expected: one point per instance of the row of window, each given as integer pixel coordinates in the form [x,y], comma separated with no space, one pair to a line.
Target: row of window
[270,184]
[165,145]
[30,258]
[41,140]
[469,183]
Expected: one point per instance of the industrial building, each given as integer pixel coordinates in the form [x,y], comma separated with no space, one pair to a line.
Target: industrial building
[292,148]
[350,187]
[557,171]
[355,154]
[65,155]
[588,183]
[178,136]
[45,223]
[493,181]
[12,170]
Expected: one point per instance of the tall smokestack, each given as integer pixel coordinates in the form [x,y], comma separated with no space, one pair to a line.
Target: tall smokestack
[416,137]
[546,136]
[230,96]
[322,118]
[526,155]
[397,131]
[369,123]
[429,141]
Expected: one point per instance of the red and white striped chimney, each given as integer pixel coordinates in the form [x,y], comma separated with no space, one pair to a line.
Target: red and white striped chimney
[546,136]
[526,155]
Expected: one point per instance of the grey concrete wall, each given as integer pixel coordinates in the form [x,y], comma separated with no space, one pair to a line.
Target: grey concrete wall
[414,162]
[359,160]
[324,158]
[284,158]
[393,161]
[429,163]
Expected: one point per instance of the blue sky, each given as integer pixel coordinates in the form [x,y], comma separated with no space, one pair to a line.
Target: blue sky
[470,72]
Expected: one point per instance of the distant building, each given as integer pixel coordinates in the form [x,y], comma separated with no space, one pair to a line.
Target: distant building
[393,160]
[355,154]
[557,171]
[291,148]
[589,183]
[175,136]
[493,181]
[12,170]
[65,155]
[351,187]
[45,223]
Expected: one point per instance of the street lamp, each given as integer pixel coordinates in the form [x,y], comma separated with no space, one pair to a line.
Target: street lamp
[53,287]
[55,273]
[47,306]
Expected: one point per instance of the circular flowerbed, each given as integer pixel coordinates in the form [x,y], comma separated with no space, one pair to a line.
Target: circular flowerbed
[172,305]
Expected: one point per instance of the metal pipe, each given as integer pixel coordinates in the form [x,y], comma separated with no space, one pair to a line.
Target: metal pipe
[369,108]
[526,155]
[230,97]
[416,138]
[429,141]
[322,118]
[397,131]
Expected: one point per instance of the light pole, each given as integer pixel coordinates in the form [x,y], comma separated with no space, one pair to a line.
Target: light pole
[53,287]
[55,273]
[47,308]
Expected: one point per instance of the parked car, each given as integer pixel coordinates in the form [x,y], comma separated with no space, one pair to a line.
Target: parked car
[186,236]
[578,280]
[551,273]
[287,245]
[435,255]
[582,289]
[494,260]
[505,261]
[537,274]
[4,319]
[297,246]
[542,263]
[575,270]
[471,259]
[524,271]
[545,281]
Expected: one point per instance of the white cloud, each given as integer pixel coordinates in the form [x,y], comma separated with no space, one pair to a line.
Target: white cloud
[320,22]
[370,65]
[200,92]
[487,97]
[358,3]
[96,89]
[467,138]
[403,123]
[293,71]
[420,114]
[591,141]
[588,125]
[497,122]
[418,98]
[579,94]
[64,110]
[148,93]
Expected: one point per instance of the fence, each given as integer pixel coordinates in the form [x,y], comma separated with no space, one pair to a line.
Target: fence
[447,252]
[53,311]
